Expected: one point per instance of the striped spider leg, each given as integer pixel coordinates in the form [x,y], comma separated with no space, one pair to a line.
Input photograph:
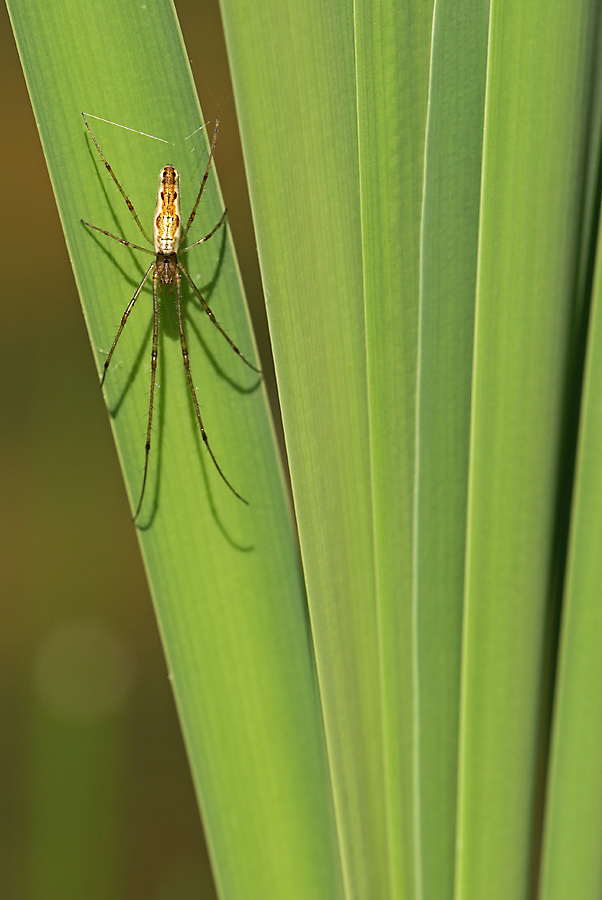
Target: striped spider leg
[167,269]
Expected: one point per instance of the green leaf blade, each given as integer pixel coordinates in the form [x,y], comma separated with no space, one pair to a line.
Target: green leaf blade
[225,577]
[392,59]
[300,143]
[573,811]
[449,242]
[533,181]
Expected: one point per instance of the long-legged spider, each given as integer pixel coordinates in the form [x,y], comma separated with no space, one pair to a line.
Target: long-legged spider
[166,269]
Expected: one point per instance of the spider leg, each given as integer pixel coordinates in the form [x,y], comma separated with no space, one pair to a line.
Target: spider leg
[120,189]
[115,238]
[191,386]
[154,355]
[207,236]
[206,308]
[198,199]
[124,319]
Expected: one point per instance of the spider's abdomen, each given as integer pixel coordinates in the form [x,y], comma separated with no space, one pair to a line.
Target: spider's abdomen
[167,226]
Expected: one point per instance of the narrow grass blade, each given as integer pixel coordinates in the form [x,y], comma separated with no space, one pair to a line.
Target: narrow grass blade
[573,821]
[448,258]
[536,140]
[225,577]
[298,117]
[392,60]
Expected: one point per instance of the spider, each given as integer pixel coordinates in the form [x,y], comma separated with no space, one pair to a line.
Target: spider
[166,269]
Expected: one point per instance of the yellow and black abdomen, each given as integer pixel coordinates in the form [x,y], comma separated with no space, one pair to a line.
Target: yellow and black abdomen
[167,225]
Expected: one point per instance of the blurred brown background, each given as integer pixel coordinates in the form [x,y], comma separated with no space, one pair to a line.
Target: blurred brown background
[96,796]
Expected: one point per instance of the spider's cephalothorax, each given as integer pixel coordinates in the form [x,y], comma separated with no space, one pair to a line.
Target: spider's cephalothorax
[167,269]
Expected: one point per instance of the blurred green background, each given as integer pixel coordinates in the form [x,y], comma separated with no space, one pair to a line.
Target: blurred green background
[97,799]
